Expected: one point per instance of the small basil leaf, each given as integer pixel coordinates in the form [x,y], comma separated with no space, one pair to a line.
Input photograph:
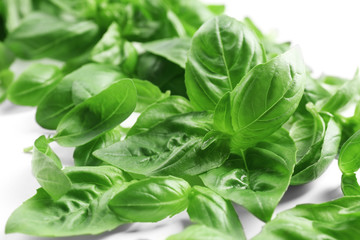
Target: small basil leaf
[6,57]
[259,179]
[175,49]
[255,116]
[82,210]
[112,49]
[41,35]
[83,154]
[97,114]
[151,199]
[163,73]
[33,84]
[209,209]
[46,167]
[172,147]
[222,51]
[6,78]
[159,111]
[337,219]
[147,93]
[349,163]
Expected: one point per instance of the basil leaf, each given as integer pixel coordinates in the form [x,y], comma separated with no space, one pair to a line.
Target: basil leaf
[349,163]
[166,75]
[255,116]
[175,49]
[317,141]
[222,51]
[6,78]
[209,209]
[200,232]
[158,112]
[338,219]
[97,114]
[41,35]
[147,94]
[61,99]
[151,199]
[112,49]
[172,147]
[82,210]
[6,57]
[33,84]
[83,154]
[46,167]
[259,179]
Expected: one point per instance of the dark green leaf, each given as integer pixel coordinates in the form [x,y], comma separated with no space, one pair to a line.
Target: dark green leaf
[97,114]
[222,51]
[259,179]
[172,147]
[159,111]
[151,199]
[338,219]
[175,49]
[44,36]
[47,169]
[82,210]
[33,84]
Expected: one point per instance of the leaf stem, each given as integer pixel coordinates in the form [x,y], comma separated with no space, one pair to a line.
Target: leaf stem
[244,159]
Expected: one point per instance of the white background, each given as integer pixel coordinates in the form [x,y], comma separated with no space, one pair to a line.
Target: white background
[329,36]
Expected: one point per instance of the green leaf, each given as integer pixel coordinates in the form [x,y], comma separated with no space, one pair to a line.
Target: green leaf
[200,232]
[83,154]
[82,210]
[147,94]
[47,169]
[97,114]
[6,57]
[41,35]
[349,163]
[158,112]
[338,219]
[6,78]
[317,141]
[175,49]
[151,199]
[33,84]
[265,99]
[172,147]
[259,179]
[112,49]
[222,51]
[90,80]
[209,209]
[161,72]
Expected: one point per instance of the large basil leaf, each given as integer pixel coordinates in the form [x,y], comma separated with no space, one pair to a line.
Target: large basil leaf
[6,78]
[46,167]
[151,199]
[209,209]
[349,163]
[83,154]
[43,36]
[222,51]
[114,50]
[159,111]
[317,141]
[163,73]
[173,147]
[174,49]
[259,178]
[97,114]
[61,99]
[82,210]
[33,84]
[263,101]
[338,219]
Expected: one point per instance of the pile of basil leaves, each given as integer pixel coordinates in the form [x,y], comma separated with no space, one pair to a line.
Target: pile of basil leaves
[227,115]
